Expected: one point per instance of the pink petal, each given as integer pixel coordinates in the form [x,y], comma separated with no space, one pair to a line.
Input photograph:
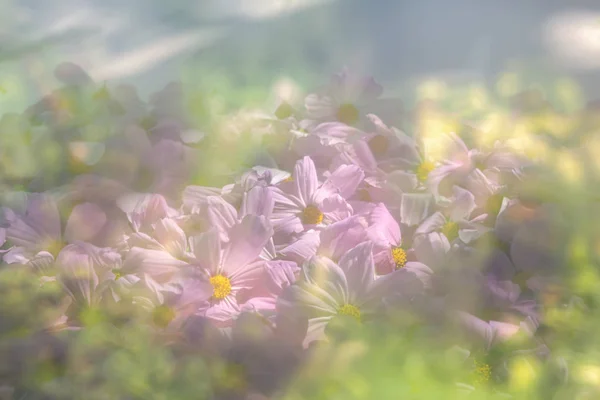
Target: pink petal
[246,241]
[305,179]
[326,275]
[343,181]
[383,229]
[207,250]
[302,248]
[171,236]
[463,204]
[42,215]
[335,208]
[358,267]
[339,237]
[220,214]
[434,223]
[414,208]
[432,249]
[258,201]
[160,265]
[85,221]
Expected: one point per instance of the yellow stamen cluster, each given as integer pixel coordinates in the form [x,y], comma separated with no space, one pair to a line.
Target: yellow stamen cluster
[482,373]
[364,195]
[162,316]
[423,170]
[53,246]
[350,310]
[347,113]
[311,215]
[289,179]
[450,230]
[117,274]
[221,286]
[399,256]
[379,144]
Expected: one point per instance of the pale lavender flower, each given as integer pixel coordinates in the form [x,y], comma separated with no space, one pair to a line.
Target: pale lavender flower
[455,219]
[39,229]
[305,203]
[171,304]
[349,288]
[84,271]
[348,99]
[233,268]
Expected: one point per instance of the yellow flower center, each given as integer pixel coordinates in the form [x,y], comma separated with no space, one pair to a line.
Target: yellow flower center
[162,316]
[424,169]
[379,145]
[399,256]
[221,286]
[482,373]
[311,215]
[289,179]
[284,111]
[364,195]
[350,310]
[117,274]
[450,229]
[347,113]
[53,246]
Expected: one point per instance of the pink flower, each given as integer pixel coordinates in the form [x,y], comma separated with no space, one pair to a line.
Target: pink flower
[348,288]
[304,203]
[232,268]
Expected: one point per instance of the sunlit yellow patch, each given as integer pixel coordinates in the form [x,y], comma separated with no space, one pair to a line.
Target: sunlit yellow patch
[569,165]
[221,286]
[162,316]
[350,310]
[477,97]
[432,89]
[311,215]
[424,169]
[588,374]
[399,256]
[509,84]
[569,93]
[523,373]
[450,230]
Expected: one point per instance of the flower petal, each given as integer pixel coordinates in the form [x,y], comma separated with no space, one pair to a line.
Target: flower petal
[207,250]
[339,237]
[85,221]
[343,181]
[414,208]
[358,267]
[246,241]
[383,228]
[258,201]
[305,179]
[171,236]
[326,275]
[160,265]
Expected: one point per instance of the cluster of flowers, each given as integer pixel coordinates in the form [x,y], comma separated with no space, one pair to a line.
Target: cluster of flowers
[349,219]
